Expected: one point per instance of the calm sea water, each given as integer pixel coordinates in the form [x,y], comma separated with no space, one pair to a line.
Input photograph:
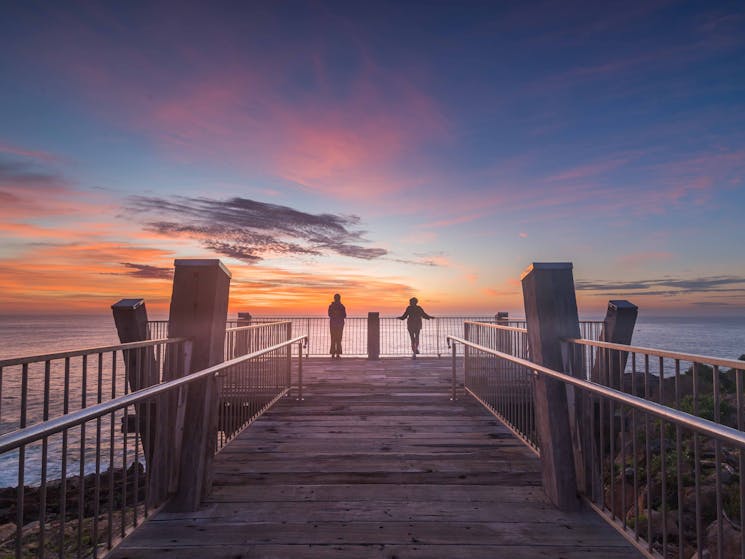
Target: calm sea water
[31,335]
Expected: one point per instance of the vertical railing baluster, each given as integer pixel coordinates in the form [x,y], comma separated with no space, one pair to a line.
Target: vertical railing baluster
[718,463]
[97,489]
[740,402]
[63,475]
[44,457]
[81,467]
[697,468]
[679,464]
[112,444]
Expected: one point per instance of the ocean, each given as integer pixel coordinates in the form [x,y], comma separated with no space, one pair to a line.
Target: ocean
[722,337]
[30,335]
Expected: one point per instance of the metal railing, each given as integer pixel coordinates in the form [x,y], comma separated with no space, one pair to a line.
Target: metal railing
[662,459]
[503,387]
[666,466]
[125,466]
[37,387]
[394,337]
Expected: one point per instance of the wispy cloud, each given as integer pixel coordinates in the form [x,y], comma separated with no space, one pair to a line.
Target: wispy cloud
[148,271]
[30,189]
[250,231]
[38,155]
[667,286]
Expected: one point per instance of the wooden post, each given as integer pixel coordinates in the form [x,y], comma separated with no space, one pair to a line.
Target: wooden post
[608,368]
[199,311]
[373,335]
[503,343]
[551,314]
[618,328]
[240,344]
[130,318]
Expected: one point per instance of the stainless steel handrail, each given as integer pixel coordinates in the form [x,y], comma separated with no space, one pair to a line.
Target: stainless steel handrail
[81,352]
[498,326]
[255,326]
[38,431]
[731,363]
[703,426]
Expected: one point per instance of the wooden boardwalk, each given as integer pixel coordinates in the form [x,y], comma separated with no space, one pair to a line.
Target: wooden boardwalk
[376,462]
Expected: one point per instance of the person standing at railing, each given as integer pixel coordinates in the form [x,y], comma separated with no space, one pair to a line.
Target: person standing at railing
[337,314]
[413,316]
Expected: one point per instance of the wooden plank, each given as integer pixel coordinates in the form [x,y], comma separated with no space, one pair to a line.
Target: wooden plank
[374,551]
[330,477]
[189,534]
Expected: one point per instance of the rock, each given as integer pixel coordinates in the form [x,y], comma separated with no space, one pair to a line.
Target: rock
[727,474]
[708,499]
[730,539]
[622,499]
[7,531]
[656,517]
[31,527]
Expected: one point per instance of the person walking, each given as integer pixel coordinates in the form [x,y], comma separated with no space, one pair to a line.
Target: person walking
[414,313]
[337,314]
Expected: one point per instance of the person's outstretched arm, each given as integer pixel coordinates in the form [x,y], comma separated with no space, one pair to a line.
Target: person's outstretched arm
[425,315]
[403,316]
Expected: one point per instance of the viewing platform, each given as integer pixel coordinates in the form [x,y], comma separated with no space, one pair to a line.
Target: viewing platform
[548,437]
[376,461]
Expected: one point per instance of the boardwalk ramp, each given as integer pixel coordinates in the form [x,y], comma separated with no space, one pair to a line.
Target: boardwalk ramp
[376,462]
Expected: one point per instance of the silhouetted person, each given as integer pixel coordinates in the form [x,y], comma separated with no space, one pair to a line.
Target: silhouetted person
[414,313]
[337,314]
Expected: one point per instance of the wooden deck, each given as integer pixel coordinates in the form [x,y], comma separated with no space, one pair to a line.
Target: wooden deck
[376,462]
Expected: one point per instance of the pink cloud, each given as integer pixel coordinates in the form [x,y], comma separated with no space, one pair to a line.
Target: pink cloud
[356,138]
[39,155]
[588,170]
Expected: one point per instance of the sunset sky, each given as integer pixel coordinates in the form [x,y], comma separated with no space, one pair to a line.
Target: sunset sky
[380,150]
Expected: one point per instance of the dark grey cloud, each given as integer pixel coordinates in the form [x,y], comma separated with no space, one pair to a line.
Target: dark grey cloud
[248,230]
[668,286]
[147,271]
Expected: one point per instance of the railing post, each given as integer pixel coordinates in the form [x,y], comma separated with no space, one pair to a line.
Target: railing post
[199,311]
[504,342]
[608,368]
[618,328]
[466,355]
[373,335]
[244,319]
[300,371]
[289,357]
[453,397]
[240,345]
[551,314]
[130,318]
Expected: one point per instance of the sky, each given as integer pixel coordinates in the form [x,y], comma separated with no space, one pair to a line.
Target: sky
[380,150]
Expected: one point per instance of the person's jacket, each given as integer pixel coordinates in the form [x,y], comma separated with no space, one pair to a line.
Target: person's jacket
[414,314]
[337,314]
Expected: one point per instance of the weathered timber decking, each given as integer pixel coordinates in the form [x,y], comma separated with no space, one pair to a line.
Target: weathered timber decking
[376,462]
